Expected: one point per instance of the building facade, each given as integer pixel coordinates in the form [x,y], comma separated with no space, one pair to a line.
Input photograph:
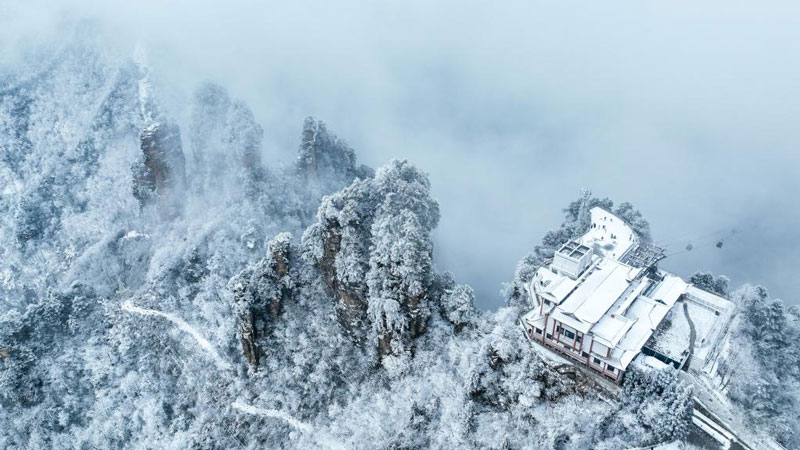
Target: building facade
[601,299]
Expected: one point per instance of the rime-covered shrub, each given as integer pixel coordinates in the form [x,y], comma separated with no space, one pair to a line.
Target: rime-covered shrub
[458,305]
[121,327]
[707,281]
[762,374]
[372,243]
[661,402]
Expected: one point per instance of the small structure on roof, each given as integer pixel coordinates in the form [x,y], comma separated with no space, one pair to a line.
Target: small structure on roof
[572,259]
[602,302]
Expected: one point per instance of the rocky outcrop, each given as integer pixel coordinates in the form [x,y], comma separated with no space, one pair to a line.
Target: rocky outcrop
[417,314]
[326,160]
[372,243]
[351,306]
[159,175]
[259,293]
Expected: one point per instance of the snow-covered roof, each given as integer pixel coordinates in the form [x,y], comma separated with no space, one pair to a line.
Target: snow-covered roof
[611,329]
[574,249]
[552,285]
[533,317]
[646,314]
[613,302]
[618,307]
[669,290]
[609,235]
[630,322]
[600,288]
[649,363]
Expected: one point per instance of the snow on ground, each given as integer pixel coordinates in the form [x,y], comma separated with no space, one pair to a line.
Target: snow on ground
[706,323]
[222,364]
[672,336]
[608,235]
[249,409]
[183,326]
[676,445]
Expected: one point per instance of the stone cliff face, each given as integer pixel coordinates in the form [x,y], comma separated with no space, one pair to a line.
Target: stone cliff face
[371,242]
[324,159]
[259,293]
[76,365]
[160,175]
[262,289]
[351,306]
[370,245]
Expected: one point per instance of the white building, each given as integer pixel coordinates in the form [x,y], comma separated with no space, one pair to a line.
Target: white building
[600,300]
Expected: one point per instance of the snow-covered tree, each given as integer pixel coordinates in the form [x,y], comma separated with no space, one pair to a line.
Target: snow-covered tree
[324,159]
[123,328]
[458,305]
[583,218]
[372,242]
[634,218]
[661,402]
[763,373]
[707,281]
[259,293]
[577,220]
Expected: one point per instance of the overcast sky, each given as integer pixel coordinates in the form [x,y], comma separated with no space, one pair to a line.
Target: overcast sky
[687,109]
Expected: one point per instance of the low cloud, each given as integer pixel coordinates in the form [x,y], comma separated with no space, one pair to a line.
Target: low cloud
[687,110]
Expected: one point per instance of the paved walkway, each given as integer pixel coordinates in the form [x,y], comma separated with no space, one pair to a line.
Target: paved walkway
[715,406]
[692,335]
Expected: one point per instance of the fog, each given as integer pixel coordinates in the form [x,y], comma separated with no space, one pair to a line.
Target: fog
[687,110]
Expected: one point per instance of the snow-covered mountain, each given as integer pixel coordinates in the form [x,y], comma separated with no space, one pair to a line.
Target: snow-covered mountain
[163,287]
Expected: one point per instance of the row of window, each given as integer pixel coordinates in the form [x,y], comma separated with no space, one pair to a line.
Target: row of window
[570,335]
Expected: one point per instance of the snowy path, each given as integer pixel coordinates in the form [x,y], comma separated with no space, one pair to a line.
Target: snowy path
[718,413]
[692,335]
[323,439]
[249,409]
[183,326]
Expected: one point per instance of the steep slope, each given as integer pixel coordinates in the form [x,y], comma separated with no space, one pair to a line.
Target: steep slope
[163,288]
[103,208]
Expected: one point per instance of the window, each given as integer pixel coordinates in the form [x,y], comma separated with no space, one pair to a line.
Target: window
[611,369]
[597,361]
[538,331]
[549,336]
[569,334]
[585,355]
